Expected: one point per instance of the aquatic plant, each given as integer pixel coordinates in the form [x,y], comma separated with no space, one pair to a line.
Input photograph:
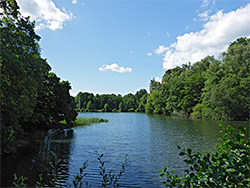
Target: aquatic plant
[109,179]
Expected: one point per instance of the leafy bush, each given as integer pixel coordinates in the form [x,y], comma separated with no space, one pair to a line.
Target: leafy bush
[198,111]
[229,166]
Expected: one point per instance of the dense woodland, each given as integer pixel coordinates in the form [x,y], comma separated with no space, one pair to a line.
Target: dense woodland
[33,97]
[88,102]
[211,88]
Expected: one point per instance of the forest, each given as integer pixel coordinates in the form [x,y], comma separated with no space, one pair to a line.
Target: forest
[32,97]
[211,88]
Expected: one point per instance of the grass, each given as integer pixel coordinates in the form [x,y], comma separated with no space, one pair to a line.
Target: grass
[87,121]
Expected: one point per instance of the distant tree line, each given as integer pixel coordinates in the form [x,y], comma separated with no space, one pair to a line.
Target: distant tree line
[88,102]
[32,97]
[211,88]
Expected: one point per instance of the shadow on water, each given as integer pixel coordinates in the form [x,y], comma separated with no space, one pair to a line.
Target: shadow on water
[33,157]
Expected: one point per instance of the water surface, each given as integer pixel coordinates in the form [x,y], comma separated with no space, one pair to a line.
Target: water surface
[150,141]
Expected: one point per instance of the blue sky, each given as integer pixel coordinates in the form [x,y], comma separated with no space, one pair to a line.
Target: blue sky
[118,46]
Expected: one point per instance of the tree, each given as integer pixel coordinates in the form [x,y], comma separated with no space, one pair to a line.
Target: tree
[191,92]
[53,103]
[90,106]
[22,71]
[154,85]
[26,83]
[226,92]
[121,107]
[107,108]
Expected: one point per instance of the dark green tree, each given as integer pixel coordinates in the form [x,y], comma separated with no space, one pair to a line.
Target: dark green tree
[22,71]
[90,106]
[26,83]
[107,108]
[121,107]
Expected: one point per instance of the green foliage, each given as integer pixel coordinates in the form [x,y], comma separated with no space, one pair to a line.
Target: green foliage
[31,96]
[198,111]
[154,85]
[55,168]
[114,110]
[90,106]
[229,166]
[22,70]
[107,108]
[109,179]
[19,182]
[121,107]
[131,110]
[222,86]
[53,103]
[78,179]
[226,92]
[87,121]
[82,110]
[123,103]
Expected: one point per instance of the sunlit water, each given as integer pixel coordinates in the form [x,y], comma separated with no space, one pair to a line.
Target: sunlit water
[149,141]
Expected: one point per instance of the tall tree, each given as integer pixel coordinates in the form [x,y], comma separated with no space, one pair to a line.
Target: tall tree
[22,69]
[25,79]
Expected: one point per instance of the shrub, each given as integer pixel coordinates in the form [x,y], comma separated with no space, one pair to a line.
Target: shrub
[229,166]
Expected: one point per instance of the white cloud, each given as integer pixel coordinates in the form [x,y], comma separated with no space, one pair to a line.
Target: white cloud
[149,54]
[74,2]
[161,49]
[206,3]
[73,93]
[204,16]
[213,39]
[45,13]
[168,34]
[131,52]
[115,68]
[158,79]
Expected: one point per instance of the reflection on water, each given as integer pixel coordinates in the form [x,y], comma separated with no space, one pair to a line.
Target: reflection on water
[150,141]
[34,157]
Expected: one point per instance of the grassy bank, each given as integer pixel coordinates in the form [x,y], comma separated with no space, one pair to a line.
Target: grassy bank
[87,121]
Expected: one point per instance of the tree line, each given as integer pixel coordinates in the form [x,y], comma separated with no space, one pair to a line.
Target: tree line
[211,88]
[32,97]
[88,102]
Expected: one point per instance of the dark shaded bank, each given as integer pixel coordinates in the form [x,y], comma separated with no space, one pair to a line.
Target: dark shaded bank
[36,148]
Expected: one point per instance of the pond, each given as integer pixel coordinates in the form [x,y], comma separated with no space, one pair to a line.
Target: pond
[149,141]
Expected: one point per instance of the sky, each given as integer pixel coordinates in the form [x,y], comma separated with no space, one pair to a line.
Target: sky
[117,46]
